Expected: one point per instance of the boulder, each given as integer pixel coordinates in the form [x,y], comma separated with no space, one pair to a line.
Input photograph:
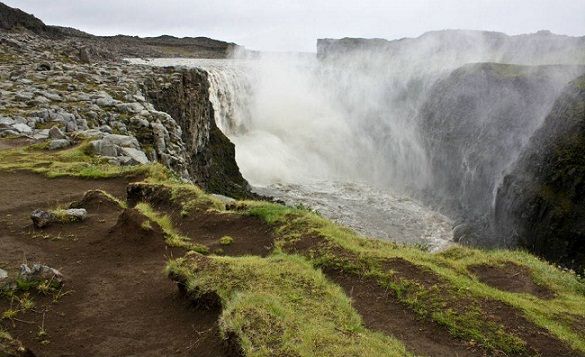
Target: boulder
[39,273]
[22,128]
[56,133]
[122,140]
[57,144]
[42,219]
[103,148]
[75,214]
[137,156]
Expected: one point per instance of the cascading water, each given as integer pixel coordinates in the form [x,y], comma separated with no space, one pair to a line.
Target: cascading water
[356,137]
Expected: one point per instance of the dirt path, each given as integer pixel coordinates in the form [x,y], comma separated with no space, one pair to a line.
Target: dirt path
[120,302]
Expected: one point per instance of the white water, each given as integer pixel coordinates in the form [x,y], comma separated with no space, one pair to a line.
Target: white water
[306,136]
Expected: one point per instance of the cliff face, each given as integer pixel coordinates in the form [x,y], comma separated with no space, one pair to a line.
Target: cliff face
[541,202]
[211,155]
[474,124]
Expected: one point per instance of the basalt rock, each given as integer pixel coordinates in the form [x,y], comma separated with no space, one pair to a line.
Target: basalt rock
[474,124]
[541,203]
[212,162]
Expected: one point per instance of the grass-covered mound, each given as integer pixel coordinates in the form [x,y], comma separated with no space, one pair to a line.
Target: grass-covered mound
[280,306]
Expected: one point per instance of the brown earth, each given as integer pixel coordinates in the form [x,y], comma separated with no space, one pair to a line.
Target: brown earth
[118,301]
[381,311]
[510,277]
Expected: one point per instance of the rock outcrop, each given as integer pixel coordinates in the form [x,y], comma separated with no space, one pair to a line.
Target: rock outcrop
[211,155]
[541,202]
[476,121]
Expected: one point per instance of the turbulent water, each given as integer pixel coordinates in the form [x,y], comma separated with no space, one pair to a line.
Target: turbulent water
[299,143]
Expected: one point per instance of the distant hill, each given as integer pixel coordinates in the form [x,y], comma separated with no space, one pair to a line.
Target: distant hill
[12,19]
[465,46]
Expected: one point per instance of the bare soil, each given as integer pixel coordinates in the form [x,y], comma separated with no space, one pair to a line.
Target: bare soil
[118,302]
[510,277]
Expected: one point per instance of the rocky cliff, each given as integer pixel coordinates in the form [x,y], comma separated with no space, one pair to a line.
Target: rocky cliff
[211,154]
[128,114]
[541,202]
[474,124]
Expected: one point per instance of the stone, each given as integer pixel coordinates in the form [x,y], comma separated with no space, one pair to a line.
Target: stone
[75,214]
[103,148]
[42,219]
[122,140]
[133,108]
[52,96]
[106,102]
[24,96]
[41,134]
[22,128]
[40,273]
[106,129]
[56,133]
[4,121]
[3,274]
[57,144]
[84,55]
[44,66]
[137,156]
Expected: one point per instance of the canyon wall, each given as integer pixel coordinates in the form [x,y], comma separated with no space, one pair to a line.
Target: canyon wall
[541,203]
[211,155]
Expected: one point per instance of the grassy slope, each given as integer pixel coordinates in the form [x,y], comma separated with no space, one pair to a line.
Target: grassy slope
[267,298]
[281,306]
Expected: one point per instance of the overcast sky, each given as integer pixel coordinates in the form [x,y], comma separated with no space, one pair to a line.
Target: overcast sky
[289,25]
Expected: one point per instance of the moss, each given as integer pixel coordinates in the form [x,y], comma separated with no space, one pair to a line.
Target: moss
[76,162]
[226,240]
[281,306]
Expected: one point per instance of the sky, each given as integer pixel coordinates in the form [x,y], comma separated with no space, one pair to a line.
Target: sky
[294,25]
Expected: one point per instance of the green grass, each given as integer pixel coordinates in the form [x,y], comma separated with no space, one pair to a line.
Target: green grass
[365,257]
[173,238]
[75,162]
[226,240]
[281,306]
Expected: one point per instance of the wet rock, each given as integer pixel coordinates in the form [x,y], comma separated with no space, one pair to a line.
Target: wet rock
[40,273]
[42,219]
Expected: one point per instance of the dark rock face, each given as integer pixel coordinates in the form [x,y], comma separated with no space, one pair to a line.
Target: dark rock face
[474,124]
[212,155]
[15,19]
[541,202]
